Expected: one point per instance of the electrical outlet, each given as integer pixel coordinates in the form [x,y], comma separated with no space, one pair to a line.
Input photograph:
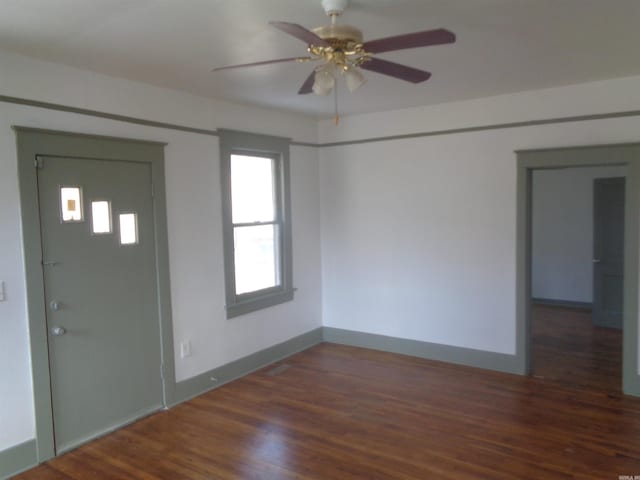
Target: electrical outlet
[185,349]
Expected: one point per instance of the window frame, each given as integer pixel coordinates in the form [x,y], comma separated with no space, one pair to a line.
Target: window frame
[233,142]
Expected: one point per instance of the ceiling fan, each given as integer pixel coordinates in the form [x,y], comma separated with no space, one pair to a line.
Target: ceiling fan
[341,50]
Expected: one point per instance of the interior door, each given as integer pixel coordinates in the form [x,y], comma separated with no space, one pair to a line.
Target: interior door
[608,248]
[101,295]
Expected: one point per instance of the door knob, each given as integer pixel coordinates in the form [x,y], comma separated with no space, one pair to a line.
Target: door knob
[596,260]
[58,331]
[55,305]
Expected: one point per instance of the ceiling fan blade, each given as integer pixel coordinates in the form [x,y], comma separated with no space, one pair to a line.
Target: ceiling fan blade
[396,70]
[410,40]
[300,33]
[266,62]
[307,86]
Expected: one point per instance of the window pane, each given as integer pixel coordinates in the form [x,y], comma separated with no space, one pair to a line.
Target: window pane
[256,258]
[70,204]
[128,228]
[100,217]
[252,195]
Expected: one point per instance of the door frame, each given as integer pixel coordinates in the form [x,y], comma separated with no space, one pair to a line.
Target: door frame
[32,142]
[627,154]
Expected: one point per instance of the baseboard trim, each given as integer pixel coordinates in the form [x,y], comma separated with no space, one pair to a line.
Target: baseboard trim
[192,387]
[631,386]
[431,351]
[18,459]
[202,383]
[563,303]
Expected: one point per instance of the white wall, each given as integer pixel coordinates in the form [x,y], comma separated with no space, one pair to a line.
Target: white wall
[193,207]
[562,232]
[419,234]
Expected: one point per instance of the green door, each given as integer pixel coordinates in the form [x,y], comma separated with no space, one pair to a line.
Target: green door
[608,251]
[101,296]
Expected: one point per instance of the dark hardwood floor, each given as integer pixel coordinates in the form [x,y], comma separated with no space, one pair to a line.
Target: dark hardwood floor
[337,412]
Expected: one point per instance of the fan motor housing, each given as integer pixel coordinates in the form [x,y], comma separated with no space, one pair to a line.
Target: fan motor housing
[339,34]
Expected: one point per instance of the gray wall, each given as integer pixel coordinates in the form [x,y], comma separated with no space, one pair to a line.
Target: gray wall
[562,233]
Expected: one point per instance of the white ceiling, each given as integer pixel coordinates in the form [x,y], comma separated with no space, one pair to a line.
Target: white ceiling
[503,45]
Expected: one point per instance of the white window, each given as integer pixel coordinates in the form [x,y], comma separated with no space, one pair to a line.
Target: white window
[71,204]
[128,228]
[100,217]
[257,227]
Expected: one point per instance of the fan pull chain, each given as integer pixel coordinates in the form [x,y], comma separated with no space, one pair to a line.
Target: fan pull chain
[336,117]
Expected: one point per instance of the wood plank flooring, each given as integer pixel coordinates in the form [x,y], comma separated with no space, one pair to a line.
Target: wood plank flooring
[337,412]
[567,348]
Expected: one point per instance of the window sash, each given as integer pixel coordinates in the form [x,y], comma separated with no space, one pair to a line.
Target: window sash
[242,171]
[277,258]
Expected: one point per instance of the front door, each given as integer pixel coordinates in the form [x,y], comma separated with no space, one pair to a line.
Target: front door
[99,268]
[608,251]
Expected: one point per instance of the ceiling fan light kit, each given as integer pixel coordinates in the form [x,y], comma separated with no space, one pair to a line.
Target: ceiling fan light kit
[324,79]
[341,49]
[354,79]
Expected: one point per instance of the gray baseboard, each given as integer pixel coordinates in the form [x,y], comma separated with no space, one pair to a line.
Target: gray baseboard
[204,382]
[631,384]
[18,459]
[431,351]
[563,303]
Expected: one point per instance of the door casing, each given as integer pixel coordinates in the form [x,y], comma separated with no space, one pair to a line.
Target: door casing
[581,156]
[31,143]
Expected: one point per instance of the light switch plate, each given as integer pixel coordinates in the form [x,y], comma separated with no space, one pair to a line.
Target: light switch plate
[3,296]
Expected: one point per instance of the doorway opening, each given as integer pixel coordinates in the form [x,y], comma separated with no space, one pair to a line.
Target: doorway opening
[577,230]
[560,332]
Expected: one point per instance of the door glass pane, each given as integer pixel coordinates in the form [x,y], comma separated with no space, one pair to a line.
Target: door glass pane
[256,257]
[71,204]
[252,192]
[101,217]
[128,228]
